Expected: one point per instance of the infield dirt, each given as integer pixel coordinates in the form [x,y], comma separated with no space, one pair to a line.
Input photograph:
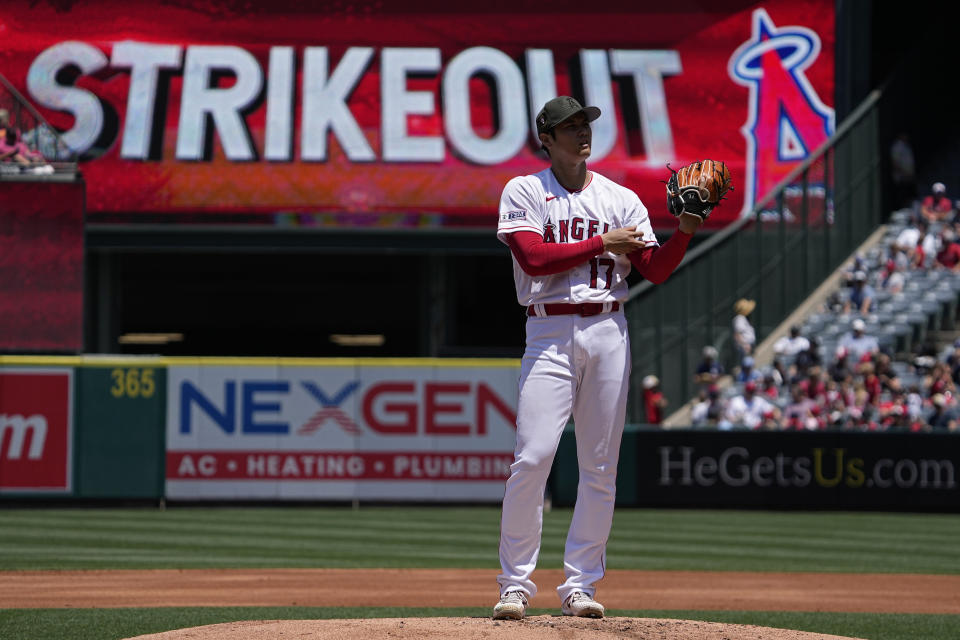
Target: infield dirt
[662,590]
[717,590]
[533,628]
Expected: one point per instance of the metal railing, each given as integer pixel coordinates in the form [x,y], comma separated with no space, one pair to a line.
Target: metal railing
[776,255]
[33,130]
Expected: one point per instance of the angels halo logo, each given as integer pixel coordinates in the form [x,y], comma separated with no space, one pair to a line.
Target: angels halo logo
[787,120]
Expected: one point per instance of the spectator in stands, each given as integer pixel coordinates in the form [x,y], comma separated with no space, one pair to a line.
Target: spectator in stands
[893,276]
[859,264]
[911,424]
[13,149]
[940,381]
[923,366]
[925,359]
[926,249]
[709,410]
[897,256]
[889,379]
[769,387]
[840,369]
[836,415]
[942,418]
[838,392]
[654,402]
[893,414]
[936,207]
[808,358]
[748,371]
[836,300]
[814,385]
[914,403]
[789,346]
[779,371]
[750,410]
[871,381]
[861,296]
[798,414]
[860,409]
[949,255]
[709,370]
[917,243]
[857,343]
[744,336]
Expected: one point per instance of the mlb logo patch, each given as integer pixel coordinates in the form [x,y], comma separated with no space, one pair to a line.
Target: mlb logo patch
[509,216]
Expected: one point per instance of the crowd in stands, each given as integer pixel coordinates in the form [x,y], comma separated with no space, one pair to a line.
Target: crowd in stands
[854,381]
[15,155]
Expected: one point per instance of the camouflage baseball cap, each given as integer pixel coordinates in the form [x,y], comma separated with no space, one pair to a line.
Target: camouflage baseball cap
[561,108]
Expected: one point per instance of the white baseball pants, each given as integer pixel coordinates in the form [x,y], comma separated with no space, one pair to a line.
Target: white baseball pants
[579,366]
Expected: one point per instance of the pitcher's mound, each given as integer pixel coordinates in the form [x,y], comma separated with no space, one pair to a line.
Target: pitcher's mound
[532,628]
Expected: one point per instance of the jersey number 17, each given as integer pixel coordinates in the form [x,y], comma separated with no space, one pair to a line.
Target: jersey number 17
[595,265]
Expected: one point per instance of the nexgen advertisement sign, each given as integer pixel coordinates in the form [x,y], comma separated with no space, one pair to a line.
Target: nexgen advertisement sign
[398,107]
[36,430]
[404,431]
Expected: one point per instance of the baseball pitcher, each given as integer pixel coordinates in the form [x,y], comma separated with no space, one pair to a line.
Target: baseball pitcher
[574,236]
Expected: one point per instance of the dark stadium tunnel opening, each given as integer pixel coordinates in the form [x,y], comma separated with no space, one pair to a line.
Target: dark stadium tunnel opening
[310,305]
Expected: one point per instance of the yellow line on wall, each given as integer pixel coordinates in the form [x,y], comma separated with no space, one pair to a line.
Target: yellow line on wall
[188,361]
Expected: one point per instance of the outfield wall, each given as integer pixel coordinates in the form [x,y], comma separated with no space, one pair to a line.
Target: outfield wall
[220,429]
[779,469]
[82,427]
[256,429]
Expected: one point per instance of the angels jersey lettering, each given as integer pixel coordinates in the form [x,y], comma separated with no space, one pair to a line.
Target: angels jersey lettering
[540,204]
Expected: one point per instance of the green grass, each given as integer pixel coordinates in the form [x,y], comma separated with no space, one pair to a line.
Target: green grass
[200,537]
[294,537]
[109,624]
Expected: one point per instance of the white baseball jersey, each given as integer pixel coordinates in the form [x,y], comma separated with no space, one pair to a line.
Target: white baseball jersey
[540,204]
[573,366]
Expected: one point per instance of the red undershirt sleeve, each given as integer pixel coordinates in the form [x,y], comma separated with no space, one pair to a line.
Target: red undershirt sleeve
[657,263]
[539,258]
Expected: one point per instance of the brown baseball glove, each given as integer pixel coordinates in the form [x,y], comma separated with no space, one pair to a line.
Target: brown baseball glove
[698,187]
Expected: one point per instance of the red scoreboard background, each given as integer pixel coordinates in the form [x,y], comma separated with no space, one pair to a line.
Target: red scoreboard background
[364,107]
